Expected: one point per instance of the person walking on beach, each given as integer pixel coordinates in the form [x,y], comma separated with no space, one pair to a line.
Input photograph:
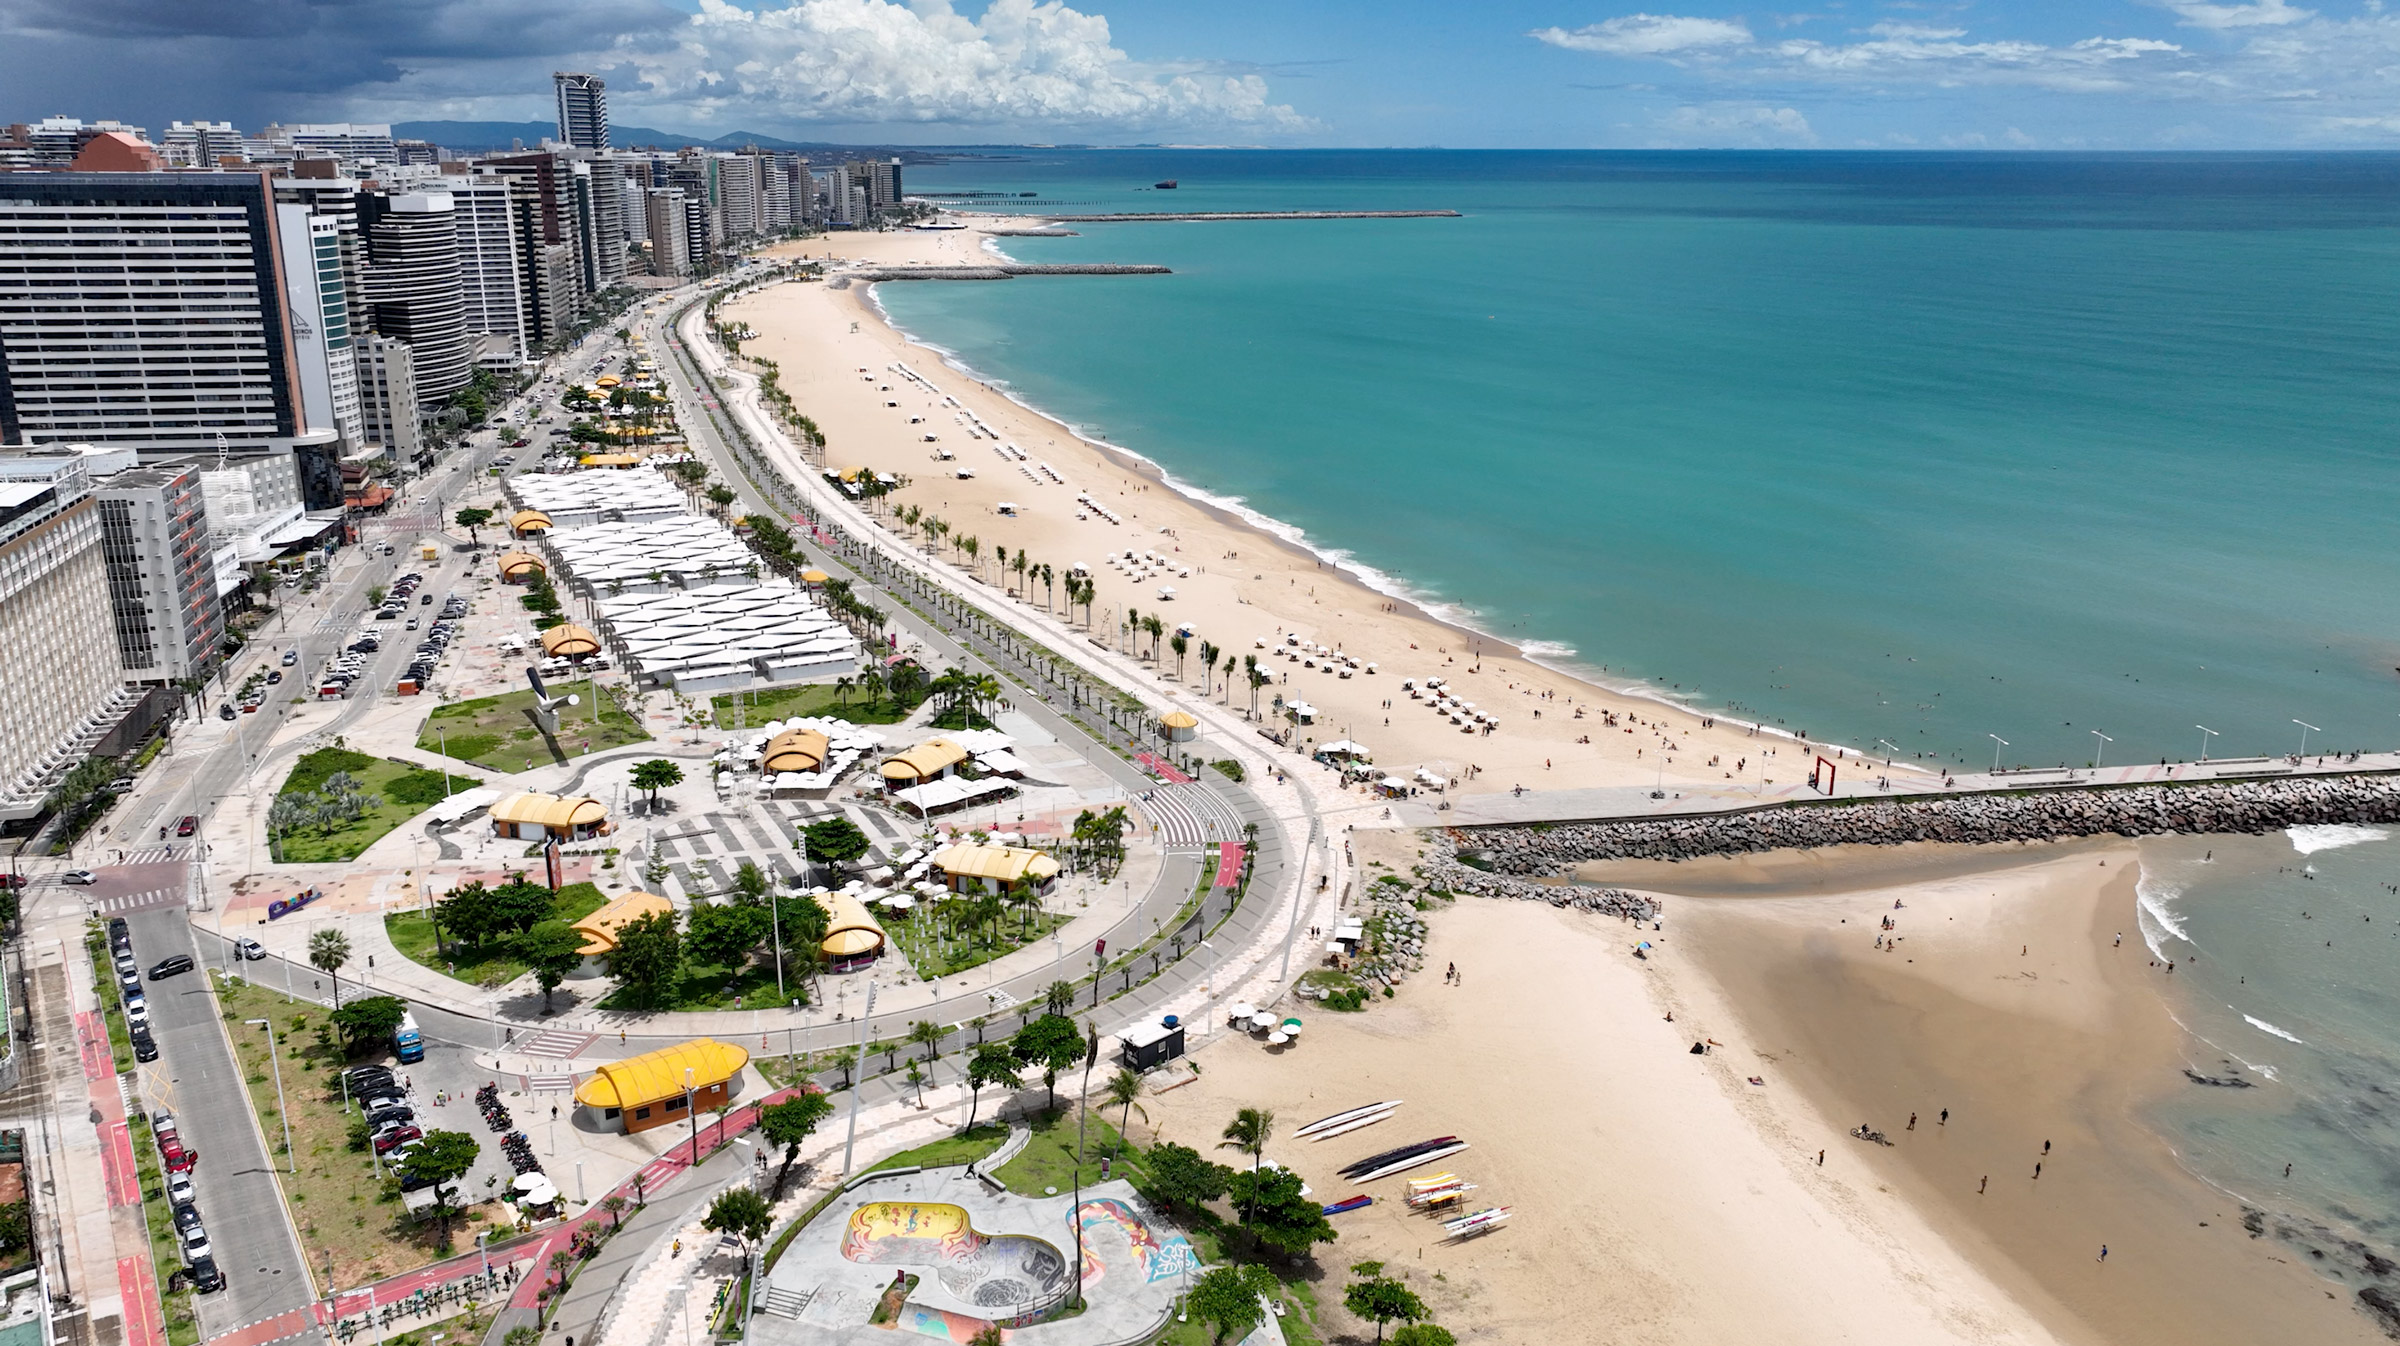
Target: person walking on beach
[1820,1159]
[2045,1148]
[1912,1121]
[2103,1252]
[1987,1182]
[1945,1117]
[2037,1170]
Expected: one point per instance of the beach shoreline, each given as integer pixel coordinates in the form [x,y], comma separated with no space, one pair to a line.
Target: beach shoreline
[1559,727]
[2011,1003]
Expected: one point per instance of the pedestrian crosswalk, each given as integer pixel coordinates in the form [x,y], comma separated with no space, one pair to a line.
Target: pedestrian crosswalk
[553,1043]
[1190,816]
[152,855]
[141,901]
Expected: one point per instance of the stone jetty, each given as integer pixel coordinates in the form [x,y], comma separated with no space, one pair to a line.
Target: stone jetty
[1509,861]
[1002,271]
[1148,217]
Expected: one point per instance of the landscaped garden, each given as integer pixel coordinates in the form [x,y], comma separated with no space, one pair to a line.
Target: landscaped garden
[337,802]
[841,701]
[495,957]
[497,733]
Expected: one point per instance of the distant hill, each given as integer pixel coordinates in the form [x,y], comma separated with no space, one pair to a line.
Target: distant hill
[500,135]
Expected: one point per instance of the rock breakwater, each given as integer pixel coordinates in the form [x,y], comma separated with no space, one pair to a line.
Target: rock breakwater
[1505,861]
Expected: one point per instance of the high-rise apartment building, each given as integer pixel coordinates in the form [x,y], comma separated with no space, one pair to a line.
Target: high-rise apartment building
[741,192]
[387,397]
[582,110]
[146,310]
[670,243]
[599,225]
[491,260]
[162,583]
[201,144]
[317,285]
[881,178]
[412,279]
[60,674]
[351,144]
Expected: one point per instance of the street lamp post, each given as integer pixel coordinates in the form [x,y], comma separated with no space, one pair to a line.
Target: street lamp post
[2206,734]
[1997,744]
[275,1060]
[2101,750]
[2305,730]
[858,1080]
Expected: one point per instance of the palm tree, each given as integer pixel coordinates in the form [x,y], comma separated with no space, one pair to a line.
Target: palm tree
[1027,901]
[1049,586]
[1091,590]
[1022,565]
[1257,680]
[1248,1133]
[1229,679]
[983,689]
[1178,644]
[1155,628]
[327,950]
[1208,667]
[927,1034]
[1000,555]
[971,546]
[1133,623]
[1122,1089]
[872,681]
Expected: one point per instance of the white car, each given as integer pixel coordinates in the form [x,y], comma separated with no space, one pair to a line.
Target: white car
[180,1191]
[248,948]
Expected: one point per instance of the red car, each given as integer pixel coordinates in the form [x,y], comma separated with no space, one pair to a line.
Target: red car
[396,1135]
[189,825]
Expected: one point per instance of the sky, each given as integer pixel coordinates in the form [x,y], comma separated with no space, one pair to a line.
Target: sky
[2030,74]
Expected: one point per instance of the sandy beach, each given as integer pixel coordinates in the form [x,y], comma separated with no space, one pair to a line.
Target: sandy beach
[1245,585]
[2009,1002]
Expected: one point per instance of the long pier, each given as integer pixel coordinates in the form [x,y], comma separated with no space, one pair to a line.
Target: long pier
[1001,271]
[1170,216]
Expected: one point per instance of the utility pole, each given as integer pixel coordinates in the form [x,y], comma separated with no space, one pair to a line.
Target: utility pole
[858,1081]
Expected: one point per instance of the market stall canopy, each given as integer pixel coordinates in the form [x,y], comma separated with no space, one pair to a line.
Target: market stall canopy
[551,811]
[528,521]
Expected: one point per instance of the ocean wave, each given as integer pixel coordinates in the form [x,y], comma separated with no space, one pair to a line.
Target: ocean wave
[1546,649]
[2154,912]
[2264,1027]
[2310,838]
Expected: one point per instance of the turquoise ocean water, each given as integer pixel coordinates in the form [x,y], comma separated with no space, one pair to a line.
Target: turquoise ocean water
[1917,448]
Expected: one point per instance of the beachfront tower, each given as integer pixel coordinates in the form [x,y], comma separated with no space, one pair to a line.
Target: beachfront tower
[582,110]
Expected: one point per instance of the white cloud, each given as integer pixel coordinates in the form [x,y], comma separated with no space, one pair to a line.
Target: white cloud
[1022,63]
[1648,35]
[1716,125]
[2264,14]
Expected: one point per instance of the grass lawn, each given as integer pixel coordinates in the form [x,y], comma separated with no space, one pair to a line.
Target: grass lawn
[497,733]
[920,936]
[488,965]
[403,791]
[337,1203]
[812,698]
[166,1254]
[1048,1160]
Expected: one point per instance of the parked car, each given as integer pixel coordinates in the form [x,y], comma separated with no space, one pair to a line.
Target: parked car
[249,948]
[391,1138]
[386,1116]
[205,1276]
[180,1191]
[81,876]
[195,1243]
[225,712]
[145,1047]
[120,935]
[171,965]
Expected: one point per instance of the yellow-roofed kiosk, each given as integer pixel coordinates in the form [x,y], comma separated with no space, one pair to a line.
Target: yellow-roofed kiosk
[1004,870]
[930,760]
[528,523]
[852,938]
[599,930]
[519,567]
[569,641]
[661,1088]
[532,816]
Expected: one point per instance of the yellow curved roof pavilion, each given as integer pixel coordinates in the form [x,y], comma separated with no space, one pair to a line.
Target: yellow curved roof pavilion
[929,758]
[796,750]
[515,563]
[1007,864]
[528,518]
[1176,719]
[849,930]
[654,1077]
[570,641]
[551,811]
[599,930]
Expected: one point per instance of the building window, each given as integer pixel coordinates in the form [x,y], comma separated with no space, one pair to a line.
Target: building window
[679,1104]
[641,1114]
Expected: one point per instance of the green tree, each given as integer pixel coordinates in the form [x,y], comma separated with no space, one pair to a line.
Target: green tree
[443,1157]
[655,775]
[927,1034]
[789,1123]
[1049,1044]
[1227,1299]
[991,1064]
[518,906]
[723,936]
[328,950]
[1248,1133]
[750,884]
[721,495]
[833,841]
[1058,997]
[368,1019]
[1183,1179]
[1181,646]
[552,949]
[1380,1297]
[471,520]
[466,913]
[649,955]
[802,924]
[740,1212]
[1123,1091]
[1423,1334]
[1280,1218]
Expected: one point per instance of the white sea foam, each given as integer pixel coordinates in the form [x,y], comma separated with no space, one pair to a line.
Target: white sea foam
[2310,838]
[1549,654]
[2154,912]
[2264,1027]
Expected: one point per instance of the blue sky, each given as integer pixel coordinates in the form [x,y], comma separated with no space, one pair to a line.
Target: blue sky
[2106,74]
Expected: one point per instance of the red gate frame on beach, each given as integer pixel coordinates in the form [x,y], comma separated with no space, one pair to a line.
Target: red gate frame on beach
[1822,777]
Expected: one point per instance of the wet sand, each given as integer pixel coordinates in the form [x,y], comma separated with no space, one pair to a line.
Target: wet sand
[2009,1003]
